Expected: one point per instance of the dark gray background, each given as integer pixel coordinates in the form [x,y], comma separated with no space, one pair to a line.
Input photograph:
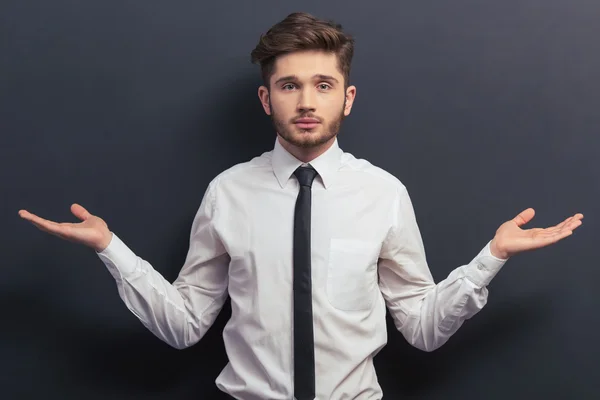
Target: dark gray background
[130,108]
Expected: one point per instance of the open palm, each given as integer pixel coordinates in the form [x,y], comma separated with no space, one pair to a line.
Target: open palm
[92,231]
[511,239]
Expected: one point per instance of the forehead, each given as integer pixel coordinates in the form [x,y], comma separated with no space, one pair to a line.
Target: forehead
[305,64]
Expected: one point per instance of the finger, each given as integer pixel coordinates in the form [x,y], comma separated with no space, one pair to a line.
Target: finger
[48,226]
[43,224]
[574,224]
[575,217]
[559,235]
[80,212]
[556,228]
[543,232]
[32,217]
[547,239]
[568,224]
[63,231]
[541,237]
[565,222]
[524,217]
[25,214]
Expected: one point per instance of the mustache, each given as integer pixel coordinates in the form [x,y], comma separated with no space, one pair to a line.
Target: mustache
[309,115]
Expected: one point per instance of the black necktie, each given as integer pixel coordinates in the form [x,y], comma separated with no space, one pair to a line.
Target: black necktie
[304,349]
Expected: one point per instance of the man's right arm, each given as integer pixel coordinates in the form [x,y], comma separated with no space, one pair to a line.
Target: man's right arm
[182,312]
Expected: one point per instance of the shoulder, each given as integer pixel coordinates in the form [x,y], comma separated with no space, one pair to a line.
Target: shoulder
[241,172]
[367,173]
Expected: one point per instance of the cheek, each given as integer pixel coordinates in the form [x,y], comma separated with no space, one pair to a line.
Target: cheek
[331,107]
[282,106]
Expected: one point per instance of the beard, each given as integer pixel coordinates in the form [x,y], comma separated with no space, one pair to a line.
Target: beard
[307,138]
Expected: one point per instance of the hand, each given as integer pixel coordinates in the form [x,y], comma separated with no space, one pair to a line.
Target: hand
[92,232]
[510,239]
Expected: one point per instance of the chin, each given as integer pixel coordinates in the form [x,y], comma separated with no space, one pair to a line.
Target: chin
[307,134]
[307,140]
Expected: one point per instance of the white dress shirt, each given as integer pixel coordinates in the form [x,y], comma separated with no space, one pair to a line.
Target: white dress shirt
[367,254]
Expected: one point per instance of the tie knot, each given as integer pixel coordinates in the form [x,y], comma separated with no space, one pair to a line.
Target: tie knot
[305,175]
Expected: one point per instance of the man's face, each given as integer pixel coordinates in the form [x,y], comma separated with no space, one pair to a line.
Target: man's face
[307,100]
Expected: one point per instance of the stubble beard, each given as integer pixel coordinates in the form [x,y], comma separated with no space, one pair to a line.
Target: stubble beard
[307,138]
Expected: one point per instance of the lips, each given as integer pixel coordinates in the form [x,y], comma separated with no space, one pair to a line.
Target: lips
[306,123]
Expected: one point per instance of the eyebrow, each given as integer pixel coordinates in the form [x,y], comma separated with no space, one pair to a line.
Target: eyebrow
[318,76]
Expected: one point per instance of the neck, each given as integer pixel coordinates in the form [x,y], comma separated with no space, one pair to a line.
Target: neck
[305,154]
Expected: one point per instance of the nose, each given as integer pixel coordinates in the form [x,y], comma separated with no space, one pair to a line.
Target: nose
[306,100]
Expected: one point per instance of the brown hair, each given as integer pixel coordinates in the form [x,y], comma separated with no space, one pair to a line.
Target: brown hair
[302,31]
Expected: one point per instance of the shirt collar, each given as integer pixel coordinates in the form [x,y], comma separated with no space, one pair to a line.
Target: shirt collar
[327,164]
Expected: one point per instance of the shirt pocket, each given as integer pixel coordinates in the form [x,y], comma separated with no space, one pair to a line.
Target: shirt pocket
[352,274]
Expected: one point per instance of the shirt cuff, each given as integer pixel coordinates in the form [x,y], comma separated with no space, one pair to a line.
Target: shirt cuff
[120,260]
[484,267]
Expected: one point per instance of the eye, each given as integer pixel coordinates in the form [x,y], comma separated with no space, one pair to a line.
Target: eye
[288,86]
[324,86]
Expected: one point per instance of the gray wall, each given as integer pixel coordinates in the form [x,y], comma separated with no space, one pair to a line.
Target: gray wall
[482,108]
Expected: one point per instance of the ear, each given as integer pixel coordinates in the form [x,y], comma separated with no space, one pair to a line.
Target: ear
[263,95]
[350,96]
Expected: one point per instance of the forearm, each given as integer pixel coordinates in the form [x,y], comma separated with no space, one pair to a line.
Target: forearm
[440,312]
[178,314]
[431,313]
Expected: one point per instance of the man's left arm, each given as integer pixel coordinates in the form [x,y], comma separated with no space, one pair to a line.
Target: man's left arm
[428,314]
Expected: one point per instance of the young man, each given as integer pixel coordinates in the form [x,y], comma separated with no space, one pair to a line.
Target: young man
[310,243]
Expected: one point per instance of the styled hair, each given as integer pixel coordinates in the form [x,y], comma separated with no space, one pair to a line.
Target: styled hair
[302,31]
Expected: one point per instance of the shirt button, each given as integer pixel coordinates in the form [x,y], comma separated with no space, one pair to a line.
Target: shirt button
[480,267]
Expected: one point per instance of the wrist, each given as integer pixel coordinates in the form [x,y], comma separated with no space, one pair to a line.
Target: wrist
[104,243]
[497,251]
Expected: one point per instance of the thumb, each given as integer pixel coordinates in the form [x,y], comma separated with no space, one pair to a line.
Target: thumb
[80,212]
[524,217]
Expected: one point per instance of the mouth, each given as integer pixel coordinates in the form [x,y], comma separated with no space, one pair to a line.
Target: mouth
[306,123]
